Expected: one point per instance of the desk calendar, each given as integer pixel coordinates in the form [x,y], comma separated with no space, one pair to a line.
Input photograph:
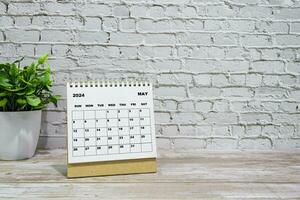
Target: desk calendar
[110,128]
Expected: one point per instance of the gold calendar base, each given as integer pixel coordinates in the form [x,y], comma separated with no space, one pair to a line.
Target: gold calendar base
[136,166]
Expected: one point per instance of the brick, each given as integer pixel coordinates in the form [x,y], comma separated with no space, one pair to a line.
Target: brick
[232,66]
[164,143]
[186,106]
[256,40]
[22,21]
[222,143]
[130,64]
[121,11]
[185,144]
[57,22]
[237,79]
[162,117]
[255,143]
[194,38]
[6,21]
[91,51]
[95,10]
[272,27]
[287,40]
[24,8]
[217,10]
[128,52]
[42,49]
[206,92]
[59,8]
[2,8]
[110,24]
[255,118]
[222,131]
[219,80]
[174,79]
[155,52]
[273,131]
[225,39]
[57,36]
[25,50]
[7,50]
[189,12]
[203,130]
[284,118]
[160,39]
[138,11]
[92,23]
[202,80]
[153,26]
[156,11]
[287,13]
[267,92]
[170,130]
[238,130]
[253,80]
[127,25]
[237,92]
[203,106]
[257,12]
[188,130]
[170,104]
[221,106]
[186,118]
[173,11]
[220,118]
[170,91]
[295,27]
[276,54]
[201,65]
[164,65]
[15,35]
[268,66]
[287,144]
[253,131]
[295,94]
[125,38]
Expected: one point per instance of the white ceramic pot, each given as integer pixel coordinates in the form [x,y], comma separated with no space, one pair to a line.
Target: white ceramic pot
[19,134]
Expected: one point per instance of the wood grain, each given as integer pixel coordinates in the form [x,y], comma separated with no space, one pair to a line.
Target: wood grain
[201,175]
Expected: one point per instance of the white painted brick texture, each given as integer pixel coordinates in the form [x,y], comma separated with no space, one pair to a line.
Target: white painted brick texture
[226,73]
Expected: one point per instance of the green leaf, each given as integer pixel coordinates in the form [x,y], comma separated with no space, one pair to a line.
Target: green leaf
[30,91]
[5,83]
[43,59]
[33,100]
[21,101]
[54,99]
[3,102]
[3,94]
[13,72]
[15,89]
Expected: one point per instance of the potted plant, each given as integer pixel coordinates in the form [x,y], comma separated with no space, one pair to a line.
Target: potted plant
[24,92]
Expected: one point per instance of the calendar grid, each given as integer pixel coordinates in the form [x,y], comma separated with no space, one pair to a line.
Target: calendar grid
[93,141]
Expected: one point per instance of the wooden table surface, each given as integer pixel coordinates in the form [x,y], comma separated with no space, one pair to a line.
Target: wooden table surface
[201,175]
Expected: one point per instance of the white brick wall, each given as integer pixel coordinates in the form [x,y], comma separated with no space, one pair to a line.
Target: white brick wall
[226,73]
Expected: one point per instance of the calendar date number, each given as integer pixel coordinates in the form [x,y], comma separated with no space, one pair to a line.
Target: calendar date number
[78,94]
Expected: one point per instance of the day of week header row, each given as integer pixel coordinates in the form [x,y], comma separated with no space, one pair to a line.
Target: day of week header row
[111,105]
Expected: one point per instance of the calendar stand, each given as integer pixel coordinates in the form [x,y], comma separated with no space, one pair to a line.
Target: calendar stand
[105,168]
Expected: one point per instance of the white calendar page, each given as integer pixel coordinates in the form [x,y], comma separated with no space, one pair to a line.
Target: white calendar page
[110,122]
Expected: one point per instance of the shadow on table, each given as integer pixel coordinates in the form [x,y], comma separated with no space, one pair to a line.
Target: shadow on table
[62,169]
